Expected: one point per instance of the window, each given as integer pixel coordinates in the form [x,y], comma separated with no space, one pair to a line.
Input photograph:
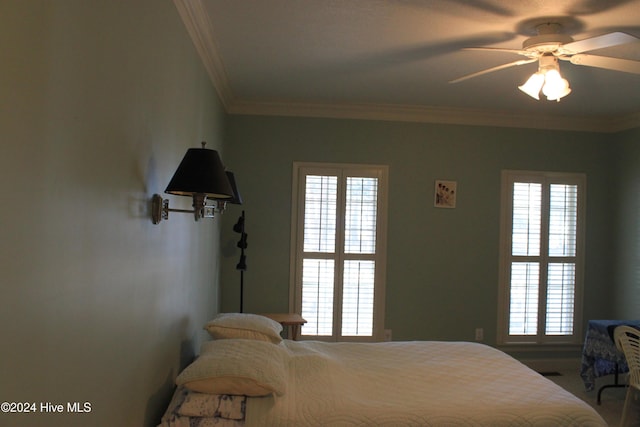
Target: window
[542,233]
[339,250]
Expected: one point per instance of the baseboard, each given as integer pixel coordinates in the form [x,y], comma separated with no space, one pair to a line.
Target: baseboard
[553,365]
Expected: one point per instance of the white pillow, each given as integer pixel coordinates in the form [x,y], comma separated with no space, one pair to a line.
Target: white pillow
[244,326]
[237,367]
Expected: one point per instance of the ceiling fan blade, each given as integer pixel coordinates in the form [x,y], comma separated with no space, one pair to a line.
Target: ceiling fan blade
[617,64]
[499,49]
[598,42]
[489,70]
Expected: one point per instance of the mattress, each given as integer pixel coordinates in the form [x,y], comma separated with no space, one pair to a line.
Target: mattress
[421,383]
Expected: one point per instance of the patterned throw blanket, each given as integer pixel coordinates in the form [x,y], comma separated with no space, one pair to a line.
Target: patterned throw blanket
[190,409]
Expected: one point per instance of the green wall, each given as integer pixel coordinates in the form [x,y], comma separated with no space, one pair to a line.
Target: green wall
[626,283]
[100,101]
[442,268]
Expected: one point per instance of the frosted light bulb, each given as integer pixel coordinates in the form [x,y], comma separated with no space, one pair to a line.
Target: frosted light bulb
[533,85]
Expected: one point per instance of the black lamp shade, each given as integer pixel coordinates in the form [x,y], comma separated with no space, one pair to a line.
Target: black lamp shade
[237,198]
[201,172]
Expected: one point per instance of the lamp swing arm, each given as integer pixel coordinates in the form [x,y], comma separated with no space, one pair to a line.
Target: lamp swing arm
[202,176]
[201,209]
[160,209]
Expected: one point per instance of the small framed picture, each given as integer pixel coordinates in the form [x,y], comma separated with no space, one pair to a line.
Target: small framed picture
[445,194]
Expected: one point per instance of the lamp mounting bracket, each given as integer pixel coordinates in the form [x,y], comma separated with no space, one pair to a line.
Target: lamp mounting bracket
[159,209]
[202,208]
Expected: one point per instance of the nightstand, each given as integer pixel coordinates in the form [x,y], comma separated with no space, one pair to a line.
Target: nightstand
[291,320]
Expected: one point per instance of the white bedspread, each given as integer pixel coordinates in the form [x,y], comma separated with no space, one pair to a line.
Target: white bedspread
[415,383]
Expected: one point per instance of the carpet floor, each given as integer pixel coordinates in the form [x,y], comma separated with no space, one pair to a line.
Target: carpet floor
[612,399]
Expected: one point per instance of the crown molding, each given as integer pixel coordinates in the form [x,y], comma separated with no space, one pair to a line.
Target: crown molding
[626,122]
[438,115]
[196,19]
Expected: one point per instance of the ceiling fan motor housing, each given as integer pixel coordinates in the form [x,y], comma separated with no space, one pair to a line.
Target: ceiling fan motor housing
[548,40]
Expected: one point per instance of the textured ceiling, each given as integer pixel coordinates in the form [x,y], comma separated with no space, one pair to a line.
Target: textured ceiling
[394,59]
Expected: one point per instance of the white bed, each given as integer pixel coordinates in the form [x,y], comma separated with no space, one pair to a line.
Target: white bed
[422,383]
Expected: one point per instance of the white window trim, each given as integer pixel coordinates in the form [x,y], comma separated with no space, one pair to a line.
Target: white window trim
[509,176]
[381,247]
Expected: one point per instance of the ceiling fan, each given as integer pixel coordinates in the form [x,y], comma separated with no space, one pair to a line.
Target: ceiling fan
[550,45]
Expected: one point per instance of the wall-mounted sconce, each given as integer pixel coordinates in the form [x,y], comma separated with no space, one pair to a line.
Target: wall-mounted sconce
[201,176]
[236,199]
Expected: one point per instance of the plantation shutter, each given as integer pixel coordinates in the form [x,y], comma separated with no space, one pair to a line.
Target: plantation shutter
[561,277]
[360,239]
[339,262]
[320,216]
[543,279]
[525,275]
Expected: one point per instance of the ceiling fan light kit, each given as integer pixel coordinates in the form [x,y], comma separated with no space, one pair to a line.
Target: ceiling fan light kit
[548,46]
[548,80]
